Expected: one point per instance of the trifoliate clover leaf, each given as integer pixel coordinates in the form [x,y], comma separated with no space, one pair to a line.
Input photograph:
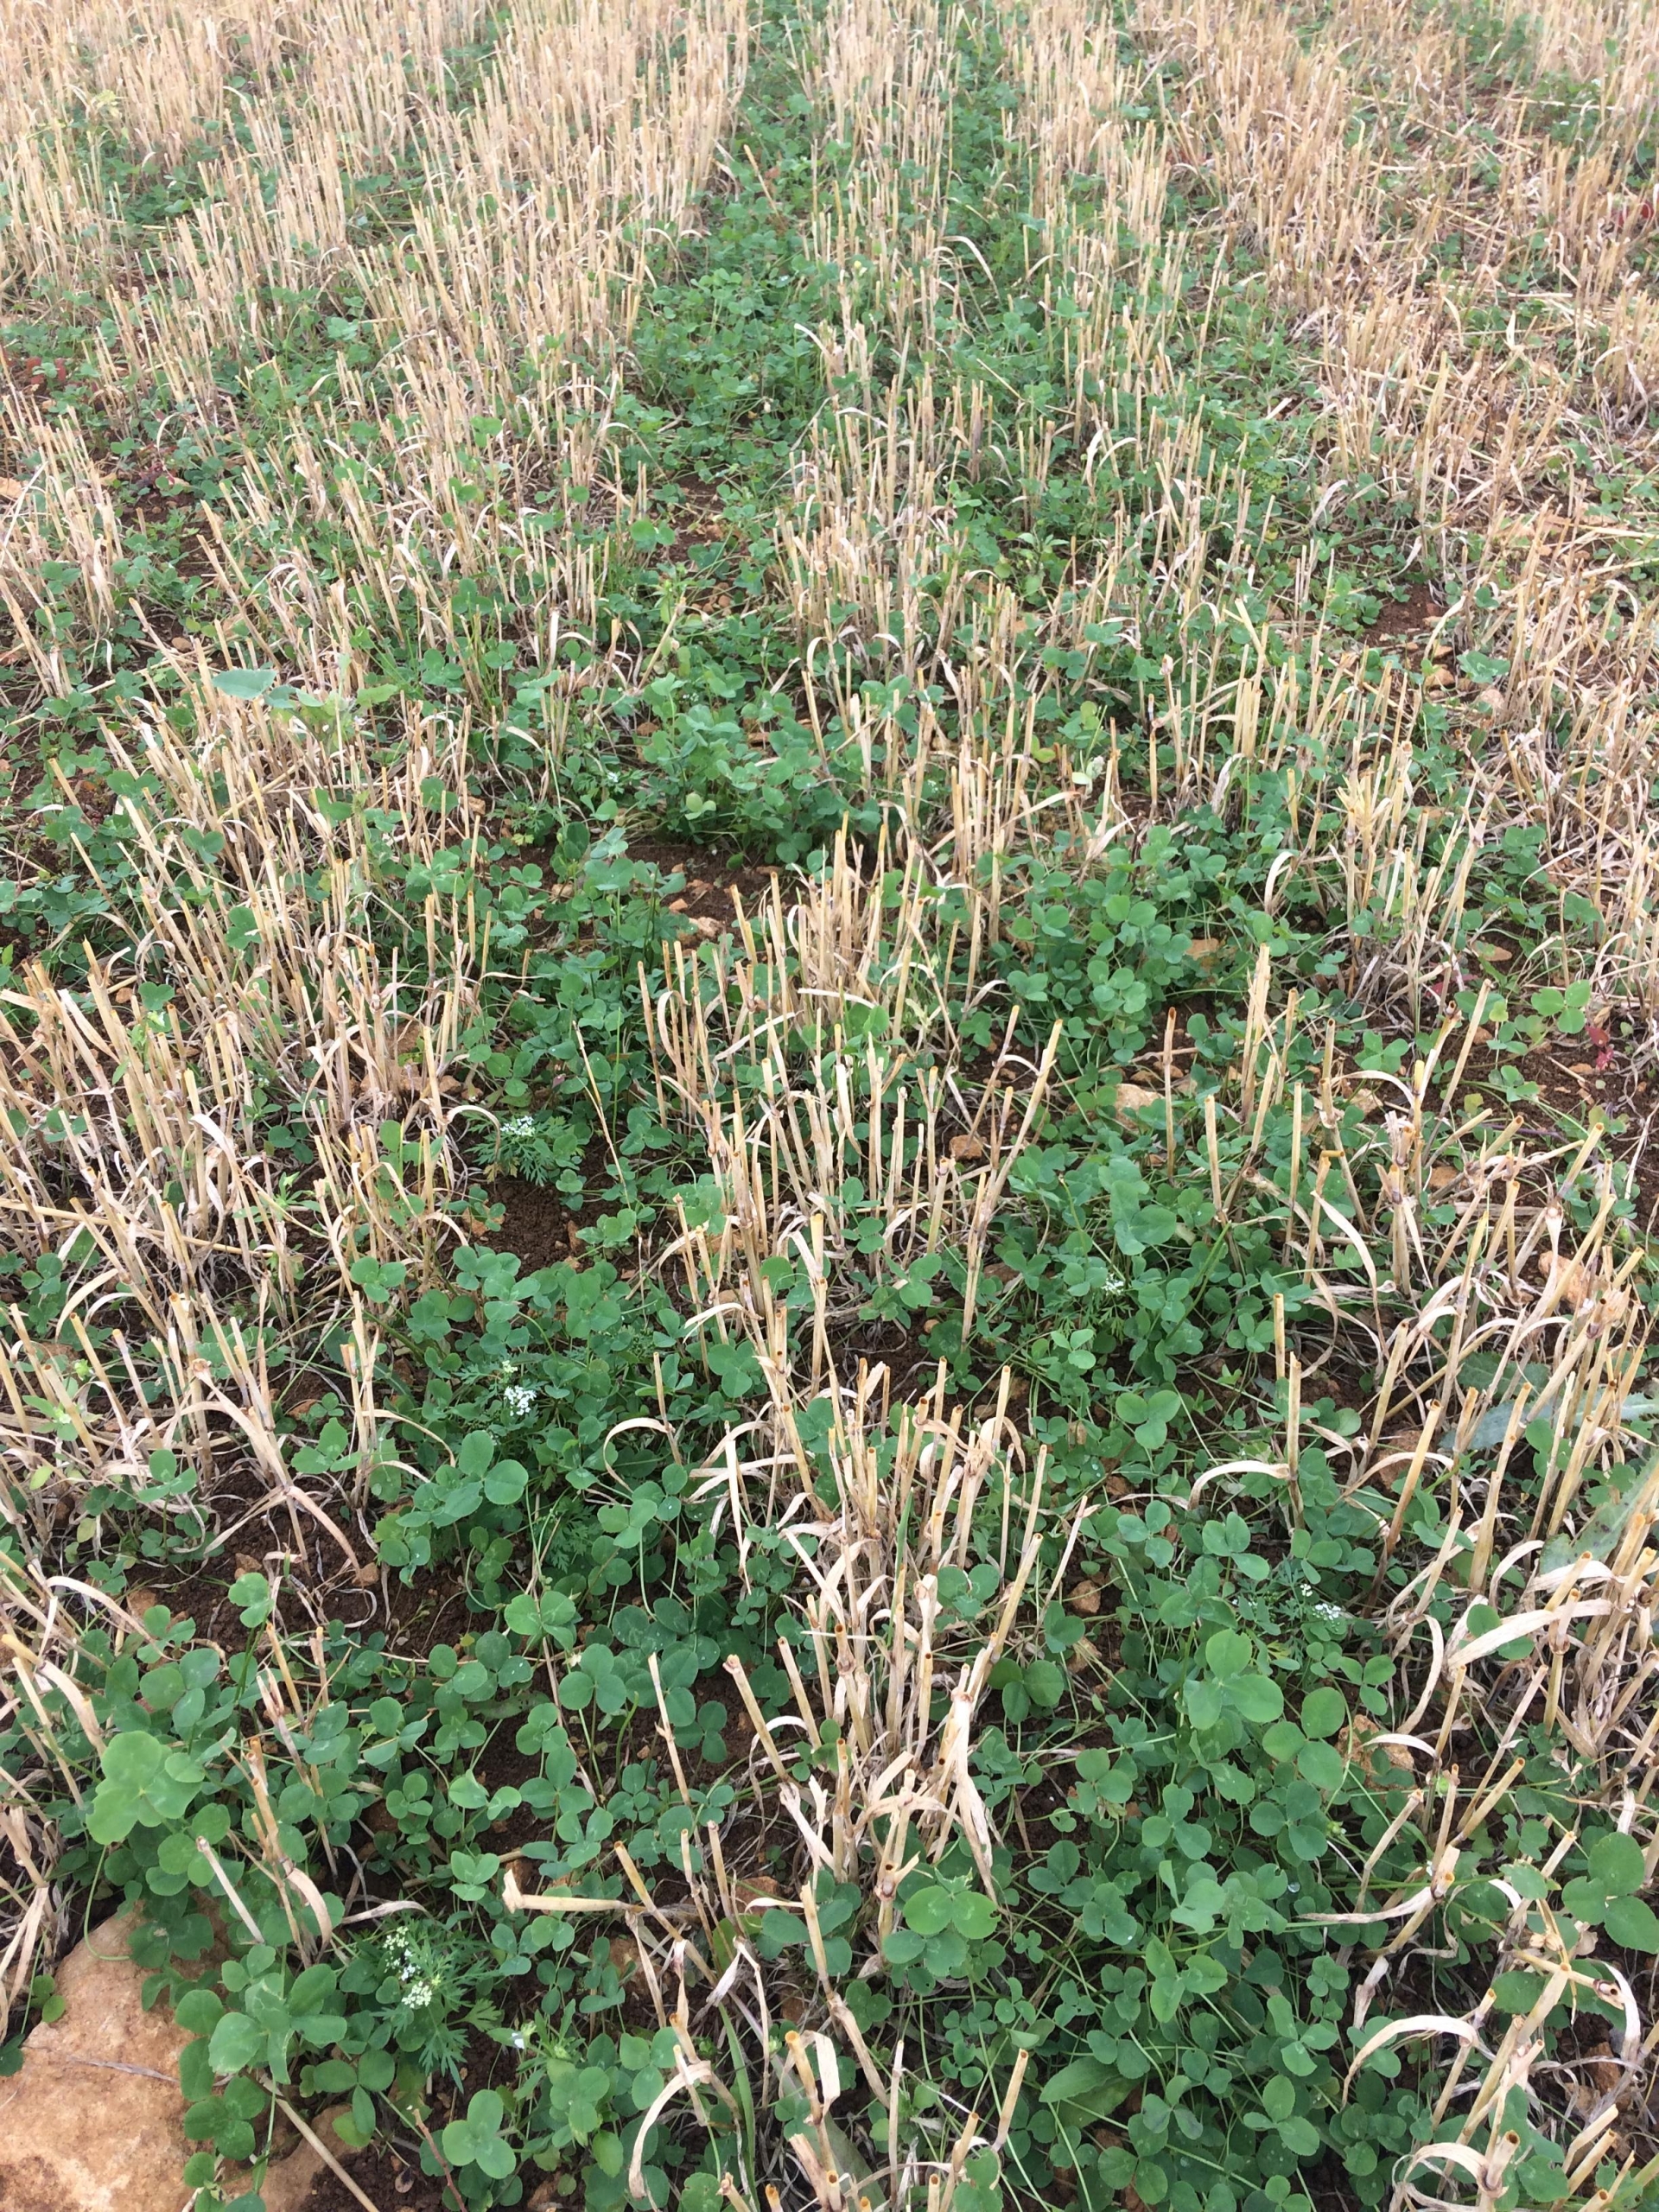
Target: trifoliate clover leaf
[932,1908]
[475,2140]
[551,1614]
[144,1785]
[252,1594]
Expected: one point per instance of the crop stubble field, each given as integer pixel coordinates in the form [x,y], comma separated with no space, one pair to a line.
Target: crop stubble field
[828,1023]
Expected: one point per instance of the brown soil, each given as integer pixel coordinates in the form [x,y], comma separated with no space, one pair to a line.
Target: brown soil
[422,1614]
[712,874]
[697,512]
[884,1343]
[263,1535]
[1576,1075]
[1406,620]
[536,1223]
[387,2179]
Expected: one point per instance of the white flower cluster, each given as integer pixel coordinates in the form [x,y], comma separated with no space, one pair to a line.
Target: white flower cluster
[521,1125]
[408,1956]
[520,1397]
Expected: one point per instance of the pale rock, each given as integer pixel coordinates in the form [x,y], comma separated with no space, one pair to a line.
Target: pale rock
[92,2120]
[1131,1097]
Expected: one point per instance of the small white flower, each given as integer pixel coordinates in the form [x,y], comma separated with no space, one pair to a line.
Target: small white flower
[520,1397]
[1330,1612]
[521,1125]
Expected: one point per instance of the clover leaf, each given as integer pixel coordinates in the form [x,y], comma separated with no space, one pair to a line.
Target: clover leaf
[1605,1894]
[928,1911]
[1483,668]
[253,1595]
[1229,1687]
[1631,1921]
[1148,1417]
[144,1785]
[1324,1711]
[236,2041]
[1036,1687]
[1279,2114]
[941,1920]
[475,2140]
[579,2094]
[552,1614]
[244,683]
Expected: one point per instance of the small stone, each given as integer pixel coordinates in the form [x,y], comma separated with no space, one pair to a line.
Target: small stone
[625,1954]
[1356,1746]
[1132,1097]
